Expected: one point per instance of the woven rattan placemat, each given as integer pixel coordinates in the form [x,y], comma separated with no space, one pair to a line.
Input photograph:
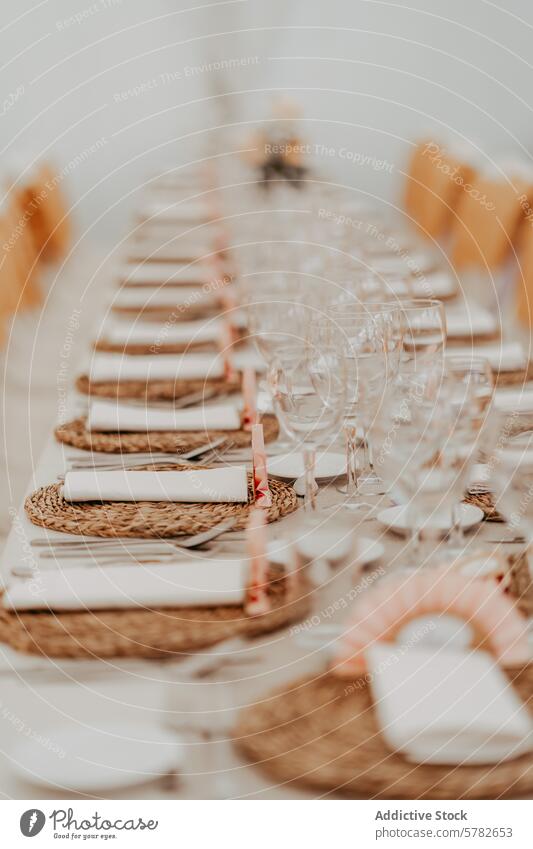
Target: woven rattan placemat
[323,732]
[149,519]
[157,633]
[154,390]
[74,433]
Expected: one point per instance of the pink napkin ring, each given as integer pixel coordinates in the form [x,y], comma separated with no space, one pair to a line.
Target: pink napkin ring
[380,613]
[249,394]
[262,494]
[226,343]
[257,600]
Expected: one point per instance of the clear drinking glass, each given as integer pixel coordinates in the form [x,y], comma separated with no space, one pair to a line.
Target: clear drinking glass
[423,331]
[308,383]
[369,338]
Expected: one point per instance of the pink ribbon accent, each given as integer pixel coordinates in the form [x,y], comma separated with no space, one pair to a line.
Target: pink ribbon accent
[226,342]
[262,494]
[257,601]
[249,394]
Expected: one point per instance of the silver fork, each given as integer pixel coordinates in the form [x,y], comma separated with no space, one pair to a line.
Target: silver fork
[141,545]
[107,459]
[204,455]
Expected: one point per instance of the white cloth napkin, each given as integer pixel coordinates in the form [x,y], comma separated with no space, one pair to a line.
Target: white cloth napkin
[158,333]
[185,584]
[511,400]
[437,284]
[506,357]
[156,367]
[108,416]
[137,297]
[187,212]
[470,322]
[411,261]
[449,707]
[166,272]
[224,485]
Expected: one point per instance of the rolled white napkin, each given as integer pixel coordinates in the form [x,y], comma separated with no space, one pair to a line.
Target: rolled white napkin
[185,584]
[186,212]
[165,297]
[402,263]
[176,273]
[511,400]
[108,416]
[502,357]
[474,322]
[160,333]
[156,367]
[447,707]
[437,284]
[225,485]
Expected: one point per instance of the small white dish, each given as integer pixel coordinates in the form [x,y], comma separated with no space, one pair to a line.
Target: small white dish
[368,551]
[290,466]
[92,760]
[396,519]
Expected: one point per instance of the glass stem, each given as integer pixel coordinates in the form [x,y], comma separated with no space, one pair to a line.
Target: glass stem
[456,538]
[309,456]
[350,432]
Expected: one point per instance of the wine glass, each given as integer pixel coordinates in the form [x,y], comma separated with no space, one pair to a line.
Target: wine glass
[411,445]
[364,336]
[424,333]
[472,430]
[308,383]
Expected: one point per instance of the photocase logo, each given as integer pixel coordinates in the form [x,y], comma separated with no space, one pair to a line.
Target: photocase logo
[32,822]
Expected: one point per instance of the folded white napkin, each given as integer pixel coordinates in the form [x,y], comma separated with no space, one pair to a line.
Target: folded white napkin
[437,284]
[450,707]
[186,584]
[156,367]
[511,400]
[188,212]
[396,262]
[166,272]
[225,485]
[161,333]
[502,357]
[474,322]
[169,297]
[109,416]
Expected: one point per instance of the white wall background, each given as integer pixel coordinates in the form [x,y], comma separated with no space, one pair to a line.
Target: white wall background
[370,74]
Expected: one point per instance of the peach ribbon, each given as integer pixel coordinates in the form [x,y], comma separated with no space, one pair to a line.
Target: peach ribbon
[262,494]
[249,394]
[257,601]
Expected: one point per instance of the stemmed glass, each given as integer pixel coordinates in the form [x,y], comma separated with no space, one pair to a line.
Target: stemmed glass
[424,333]
[411,443]
[474,429]
[511,477]
[308,383]
[369,338]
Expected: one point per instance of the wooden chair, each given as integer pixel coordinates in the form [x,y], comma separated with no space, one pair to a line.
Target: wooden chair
[489,214]
[524,282]
[434,185]
[41,197]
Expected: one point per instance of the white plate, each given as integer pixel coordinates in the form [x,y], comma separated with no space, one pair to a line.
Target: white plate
[291,466]
[336,543]
[119,755]
[395,518]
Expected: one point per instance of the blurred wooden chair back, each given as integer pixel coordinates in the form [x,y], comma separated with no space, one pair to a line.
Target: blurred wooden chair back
[489,214]
[524,280]
[41,196]
[435,181]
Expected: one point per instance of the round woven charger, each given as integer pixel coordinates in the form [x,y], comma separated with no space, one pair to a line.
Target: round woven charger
[323,732]
[158,633]
[181,312]
[149,519]
[133,350]
[154,390]
[141,350]
[74,433]
[485,501]
[513,378]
